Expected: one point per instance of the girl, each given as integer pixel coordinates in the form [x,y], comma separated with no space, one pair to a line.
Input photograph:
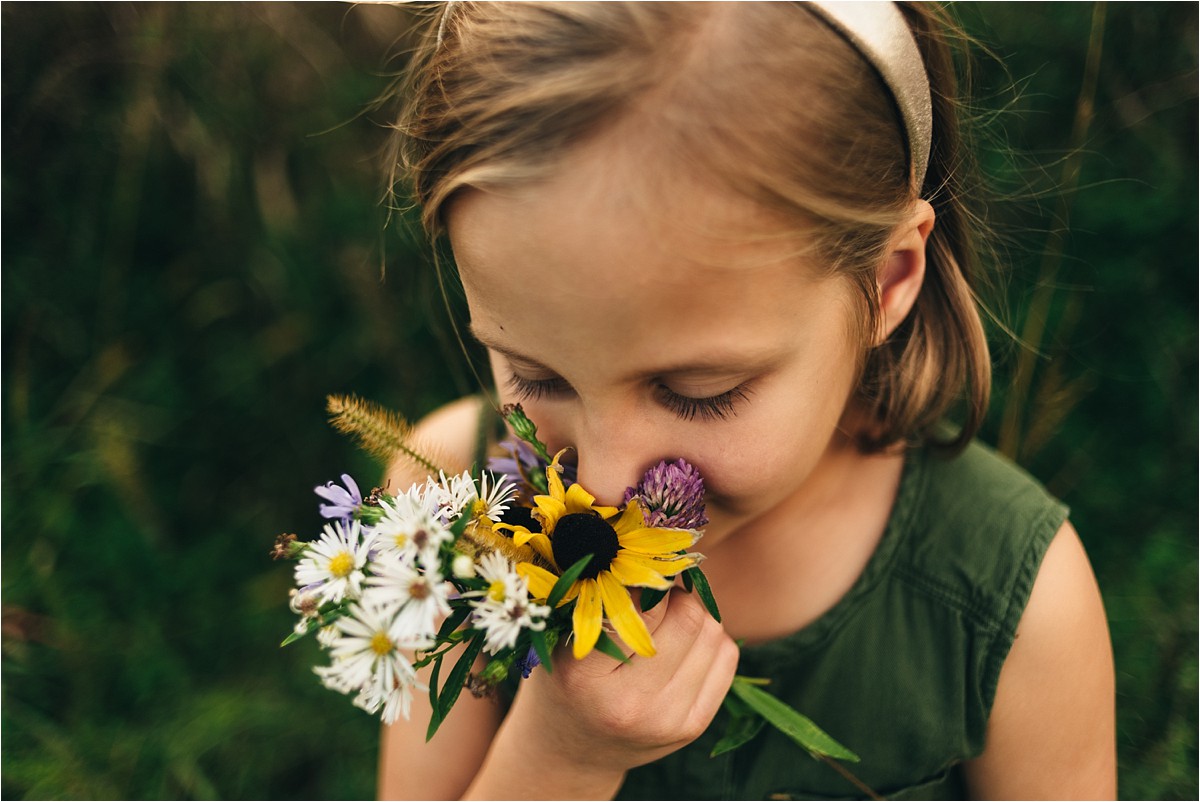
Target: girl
[735,234]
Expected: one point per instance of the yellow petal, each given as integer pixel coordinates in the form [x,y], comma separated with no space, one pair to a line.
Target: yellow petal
[554,478]
[586,621]
[541,581]
[668,566]
[631,519]
[548,510]
[571,593]
[541,543]
[657,541]
[624,616]
[578,499]
[635,573]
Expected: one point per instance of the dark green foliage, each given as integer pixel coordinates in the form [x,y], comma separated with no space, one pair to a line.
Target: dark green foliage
[193,243]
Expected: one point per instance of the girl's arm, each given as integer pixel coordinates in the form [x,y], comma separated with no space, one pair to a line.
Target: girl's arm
[410,768]
[1052,732]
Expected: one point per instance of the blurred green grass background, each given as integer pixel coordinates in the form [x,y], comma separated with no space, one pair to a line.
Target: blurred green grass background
[193,243]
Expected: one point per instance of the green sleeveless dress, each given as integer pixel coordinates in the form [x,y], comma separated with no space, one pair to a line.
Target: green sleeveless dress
[903,669]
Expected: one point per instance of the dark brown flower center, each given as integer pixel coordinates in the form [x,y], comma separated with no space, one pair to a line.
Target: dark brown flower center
[580,534]
[520,516]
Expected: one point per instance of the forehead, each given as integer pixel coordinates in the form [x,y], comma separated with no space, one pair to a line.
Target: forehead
[621,193]
[628,248]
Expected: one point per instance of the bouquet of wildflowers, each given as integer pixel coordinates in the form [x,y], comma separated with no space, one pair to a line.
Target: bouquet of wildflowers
[509,562]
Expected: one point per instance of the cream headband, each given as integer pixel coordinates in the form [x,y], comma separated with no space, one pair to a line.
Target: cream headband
[879,32]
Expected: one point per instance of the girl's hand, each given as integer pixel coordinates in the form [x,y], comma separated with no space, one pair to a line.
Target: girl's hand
[575,733]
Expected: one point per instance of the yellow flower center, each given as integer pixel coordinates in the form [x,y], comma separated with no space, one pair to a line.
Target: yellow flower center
[478,508]
[495,590]
[401,539]
[341,565]
[381,644]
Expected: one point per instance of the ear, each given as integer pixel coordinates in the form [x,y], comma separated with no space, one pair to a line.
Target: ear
[903,272]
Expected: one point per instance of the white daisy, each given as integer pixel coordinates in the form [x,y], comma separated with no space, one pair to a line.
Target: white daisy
[395,701]
[461,494]
[416,599]
[367,660]
[504,609]
[327,636]
[411,527]
[332,567]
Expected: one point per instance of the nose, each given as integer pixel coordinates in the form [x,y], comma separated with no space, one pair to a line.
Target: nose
[612,456]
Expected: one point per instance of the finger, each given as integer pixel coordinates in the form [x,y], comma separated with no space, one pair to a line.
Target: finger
[654,616]
[710,669]
[682,622]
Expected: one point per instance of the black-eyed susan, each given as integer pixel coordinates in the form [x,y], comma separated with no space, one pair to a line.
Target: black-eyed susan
[625,553]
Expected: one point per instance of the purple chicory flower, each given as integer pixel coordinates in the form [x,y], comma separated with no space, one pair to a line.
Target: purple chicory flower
[344,501]
[523,462]
[672,494]
[528,663]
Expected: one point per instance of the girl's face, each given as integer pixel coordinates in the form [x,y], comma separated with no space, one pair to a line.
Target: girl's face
[637,331]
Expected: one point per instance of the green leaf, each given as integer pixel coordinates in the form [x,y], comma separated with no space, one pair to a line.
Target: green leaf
[651,597]
[566,580]
[459,525]
[435,720]
[736,706]
[741,730]
[799,728]
[326,617]
[452,622]
[702,587]
[294,636]
[687,581]
[610,647]
[455,682]
[542,649]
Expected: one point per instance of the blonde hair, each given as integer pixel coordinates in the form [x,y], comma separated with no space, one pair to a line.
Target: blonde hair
[765,97]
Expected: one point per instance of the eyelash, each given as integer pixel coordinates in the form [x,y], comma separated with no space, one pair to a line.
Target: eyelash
[713,408]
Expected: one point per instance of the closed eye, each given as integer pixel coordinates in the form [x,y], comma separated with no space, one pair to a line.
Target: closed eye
[716,407]
[536,389]
[711,408]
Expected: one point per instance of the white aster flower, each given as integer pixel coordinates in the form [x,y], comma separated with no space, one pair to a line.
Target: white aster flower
[504,609]
[327,636]
[395,701]
[411,527]
[488,498]
[416,599]
[368,661]
[332,567]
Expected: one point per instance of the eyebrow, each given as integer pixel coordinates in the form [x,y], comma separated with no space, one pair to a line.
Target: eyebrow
[723,364]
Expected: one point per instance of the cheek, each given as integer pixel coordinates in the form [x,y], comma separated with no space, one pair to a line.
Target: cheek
[761,460]
[758,470]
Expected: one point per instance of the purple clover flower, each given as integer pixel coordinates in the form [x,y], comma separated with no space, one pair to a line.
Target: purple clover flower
[344,501]
[672,494]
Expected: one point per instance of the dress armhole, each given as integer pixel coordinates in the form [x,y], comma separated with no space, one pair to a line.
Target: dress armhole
[1041,534]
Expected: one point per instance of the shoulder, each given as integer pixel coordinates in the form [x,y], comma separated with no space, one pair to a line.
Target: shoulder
[980,483]
[447,435]
[1051,734]
[977,527]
